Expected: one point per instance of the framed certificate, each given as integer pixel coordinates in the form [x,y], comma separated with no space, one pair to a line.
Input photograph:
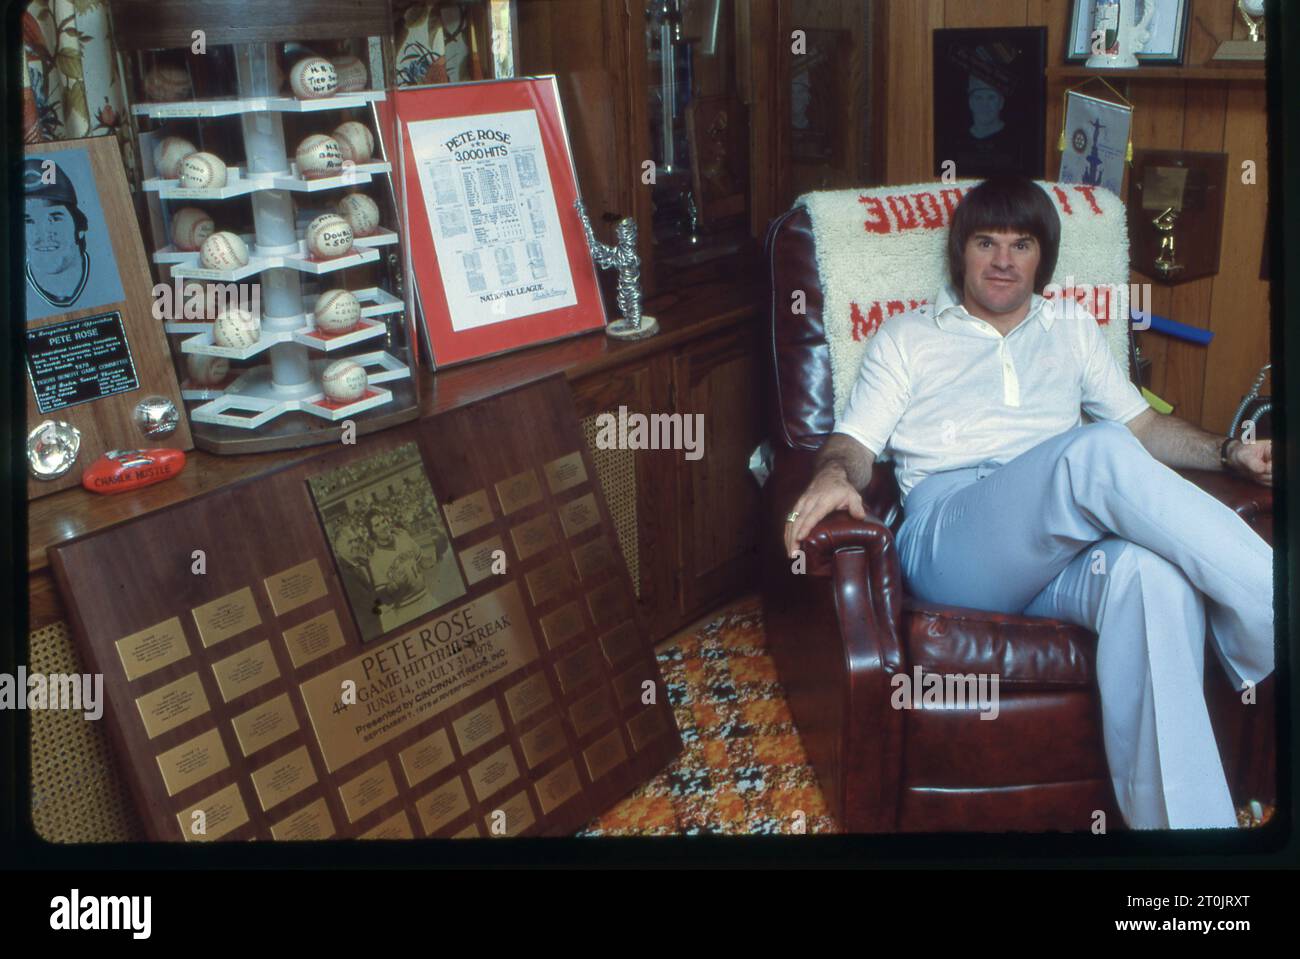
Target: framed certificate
[496,248]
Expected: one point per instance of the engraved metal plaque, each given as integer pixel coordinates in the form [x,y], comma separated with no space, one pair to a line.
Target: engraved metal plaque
[226,616]
[153,648]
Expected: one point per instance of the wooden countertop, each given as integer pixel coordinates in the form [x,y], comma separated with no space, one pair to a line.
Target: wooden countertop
[683,314]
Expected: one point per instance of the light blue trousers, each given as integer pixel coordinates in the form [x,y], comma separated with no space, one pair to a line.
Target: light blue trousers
[1089,528]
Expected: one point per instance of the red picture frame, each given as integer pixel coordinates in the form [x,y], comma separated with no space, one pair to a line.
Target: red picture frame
[458,328]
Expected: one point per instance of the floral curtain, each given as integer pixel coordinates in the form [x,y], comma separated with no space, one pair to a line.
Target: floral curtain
[71,86]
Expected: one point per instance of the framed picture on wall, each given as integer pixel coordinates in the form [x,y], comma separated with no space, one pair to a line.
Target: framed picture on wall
[989,101]
[497,250]
[1168,28]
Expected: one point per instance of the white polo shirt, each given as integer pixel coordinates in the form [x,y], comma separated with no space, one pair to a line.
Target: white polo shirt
[944,390]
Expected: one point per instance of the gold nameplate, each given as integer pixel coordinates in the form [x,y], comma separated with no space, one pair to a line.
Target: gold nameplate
[577,668]
[607,606]
[532,537]
[246,670]
[227,616]
[477,560]
[579,514]
[469,832]
[566,472]
[172,705]
[592,558]
[517,812]
[396,826]
[314,638]
[561,625]
[426,757]
[620,643]
[295,587]
[542,742]
[604,754]
[442,806]
[283,778]
[627,686]
[265,724]
[152,648]
[193,761]
[527,697]
[548,581]
[494,773]
[368,792]
[222,812]
[310,822]
[590,711]
[478,727]
[646,726]
[558,786]
[415,677]
[519,491]
[468,513]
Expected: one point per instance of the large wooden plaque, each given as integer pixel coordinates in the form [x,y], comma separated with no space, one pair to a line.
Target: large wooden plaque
[246,704]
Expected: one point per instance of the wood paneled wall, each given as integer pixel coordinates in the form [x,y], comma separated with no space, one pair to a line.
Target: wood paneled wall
[1205,384]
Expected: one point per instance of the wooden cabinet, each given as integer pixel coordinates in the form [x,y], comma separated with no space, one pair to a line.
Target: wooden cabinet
[718,500]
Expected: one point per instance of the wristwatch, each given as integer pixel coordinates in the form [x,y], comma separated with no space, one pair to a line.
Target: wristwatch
[1223,452]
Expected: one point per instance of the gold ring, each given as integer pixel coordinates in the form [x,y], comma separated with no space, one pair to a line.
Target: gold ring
[792,517]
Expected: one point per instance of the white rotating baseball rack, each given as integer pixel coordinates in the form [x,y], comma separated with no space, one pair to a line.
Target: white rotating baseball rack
[291,381]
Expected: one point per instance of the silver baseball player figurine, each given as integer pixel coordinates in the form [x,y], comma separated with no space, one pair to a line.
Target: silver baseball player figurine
[632,325]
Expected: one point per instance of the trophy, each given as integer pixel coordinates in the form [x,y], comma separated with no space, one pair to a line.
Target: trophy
[632,325]
[1116,36]
[1167,262]
[1252,12]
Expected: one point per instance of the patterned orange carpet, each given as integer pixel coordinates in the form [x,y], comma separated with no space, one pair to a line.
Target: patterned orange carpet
[742,769]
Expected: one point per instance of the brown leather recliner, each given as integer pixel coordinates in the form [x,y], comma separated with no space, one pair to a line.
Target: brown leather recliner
[843,629]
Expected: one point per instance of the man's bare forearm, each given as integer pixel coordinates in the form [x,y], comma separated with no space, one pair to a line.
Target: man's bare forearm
[847,454]
[1180,445]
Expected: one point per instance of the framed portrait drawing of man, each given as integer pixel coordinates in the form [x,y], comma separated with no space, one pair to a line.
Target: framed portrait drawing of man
[989,106]
[94,351]
[389,543]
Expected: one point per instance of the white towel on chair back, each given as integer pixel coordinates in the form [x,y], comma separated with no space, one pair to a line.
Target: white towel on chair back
[883,251]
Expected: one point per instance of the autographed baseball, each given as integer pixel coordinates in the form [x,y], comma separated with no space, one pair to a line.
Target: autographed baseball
[203,171]
[206,370]
[223,251]
[361,212]
[236,328]
[351,73]
[313,78]
[190,227]
[329,236]
[319,155]
[168,154]
[337,311]
[344,381]
[166,83]
[355,140]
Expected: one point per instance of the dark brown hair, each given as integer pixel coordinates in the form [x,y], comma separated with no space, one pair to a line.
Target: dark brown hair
[1011,204]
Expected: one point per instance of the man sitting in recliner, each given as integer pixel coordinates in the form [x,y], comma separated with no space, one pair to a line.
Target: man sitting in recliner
[1013,505]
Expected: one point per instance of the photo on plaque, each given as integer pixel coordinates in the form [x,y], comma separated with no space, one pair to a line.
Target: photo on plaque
[68,254]
[989,106]
[386,532]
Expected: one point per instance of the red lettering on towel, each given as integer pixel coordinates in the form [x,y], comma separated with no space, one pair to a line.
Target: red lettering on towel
[931,215]
[904,215]
[1087,192]
[877,222]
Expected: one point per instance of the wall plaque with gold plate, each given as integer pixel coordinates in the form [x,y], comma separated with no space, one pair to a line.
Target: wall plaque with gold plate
[1175,213]
[282,706]
[96,357]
